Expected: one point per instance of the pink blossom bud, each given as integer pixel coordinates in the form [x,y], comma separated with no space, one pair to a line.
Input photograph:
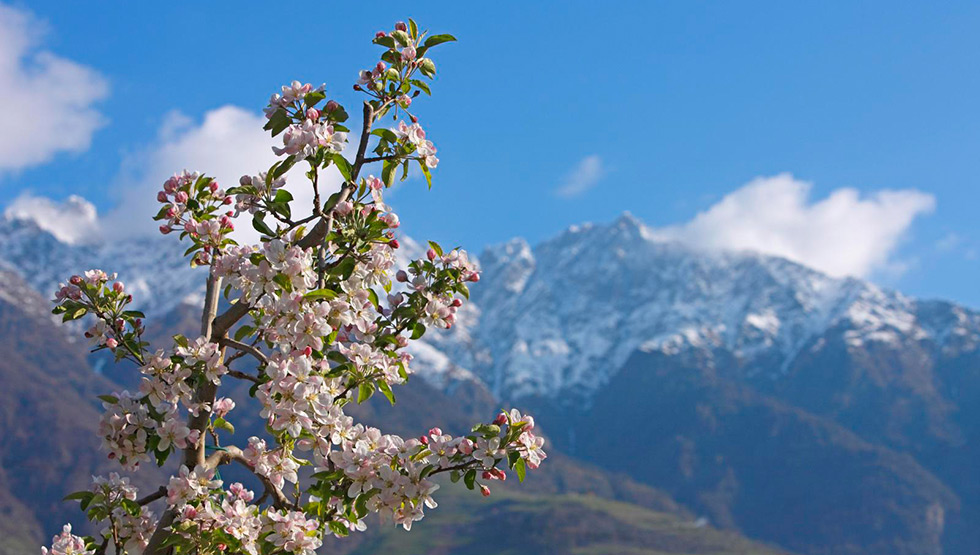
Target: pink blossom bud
[308,351]
[380,35]
[312,114]
[245,180]
[393,243]
[165,229]
[424,440]
[484,490]
[75,280]
[380,67]
[401,276]
[344,208]
[161,196]
[404,101]
[118,287]
[402,341]
[474,277]
[415,119]
[181,197]
[501,419]
[400,26]
[487,476]
[466,446]
[435,431]
[111,343]
[227,200]
[331,105]
[457,303]
[430,254]
[213,186]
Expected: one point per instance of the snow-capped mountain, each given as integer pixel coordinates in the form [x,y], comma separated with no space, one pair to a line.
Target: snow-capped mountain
[563,317]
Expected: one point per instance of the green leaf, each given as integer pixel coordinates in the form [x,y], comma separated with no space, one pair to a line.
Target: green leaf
[418,331]
[388,172]
[470,478]
[435,246]
[132,507]
[223,424]
[521,469]
[426,172]
[321,294]
[438,39]
[78,496]
[422,86]
[283,196]
[413,28]
[364,392]
[386,134]
[373,297]
[278,122]
[386,390]
[259,224]
[111,399]
[243,332]
[343,165]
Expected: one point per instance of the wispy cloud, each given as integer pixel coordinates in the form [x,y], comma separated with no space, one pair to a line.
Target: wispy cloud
[50,100]
[843,234]
[583,177]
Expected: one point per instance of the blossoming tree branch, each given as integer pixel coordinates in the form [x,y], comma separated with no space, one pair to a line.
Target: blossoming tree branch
[320,307]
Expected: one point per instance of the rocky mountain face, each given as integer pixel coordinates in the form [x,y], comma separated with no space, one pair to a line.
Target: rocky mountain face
[824,415]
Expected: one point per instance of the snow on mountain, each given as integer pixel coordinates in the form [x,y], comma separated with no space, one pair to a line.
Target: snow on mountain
[561,318]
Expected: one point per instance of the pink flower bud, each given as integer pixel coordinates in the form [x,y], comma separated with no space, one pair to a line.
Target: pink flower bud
[430,254]
[435,431]
[484,490]
[457,303]
[393,243]
[111,343]
[487,476]
[424,440]
[474,277]
[312,114]
[75,280]
[381,67]
[466,446]
[308,350]
[331,105]
[165,229]
[401,276]
[501,419]
[161,196]
[118,287]
[404,101]
[415,119]
[400,26]
[402,341]
[227,200]
[245,180]
[181,197]
[380,35]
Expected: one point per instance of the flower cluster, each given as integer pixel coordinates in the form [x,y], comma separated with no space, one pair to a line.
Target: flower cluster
[67,543]
[197,207]
[114,325]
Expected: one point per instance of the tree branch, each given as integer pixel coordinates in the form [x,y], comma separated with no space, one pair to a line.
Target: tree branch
[234,454]
[250,349]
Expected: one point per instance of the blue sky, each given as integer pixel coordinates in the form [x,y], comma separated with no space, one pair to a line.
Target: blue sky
[551,114]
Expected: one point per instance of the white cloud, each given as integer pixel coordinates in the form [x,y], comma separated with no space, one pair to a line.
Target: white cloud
[229,142]
[72,221]
[583,177]
[843,234]
[49,99]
